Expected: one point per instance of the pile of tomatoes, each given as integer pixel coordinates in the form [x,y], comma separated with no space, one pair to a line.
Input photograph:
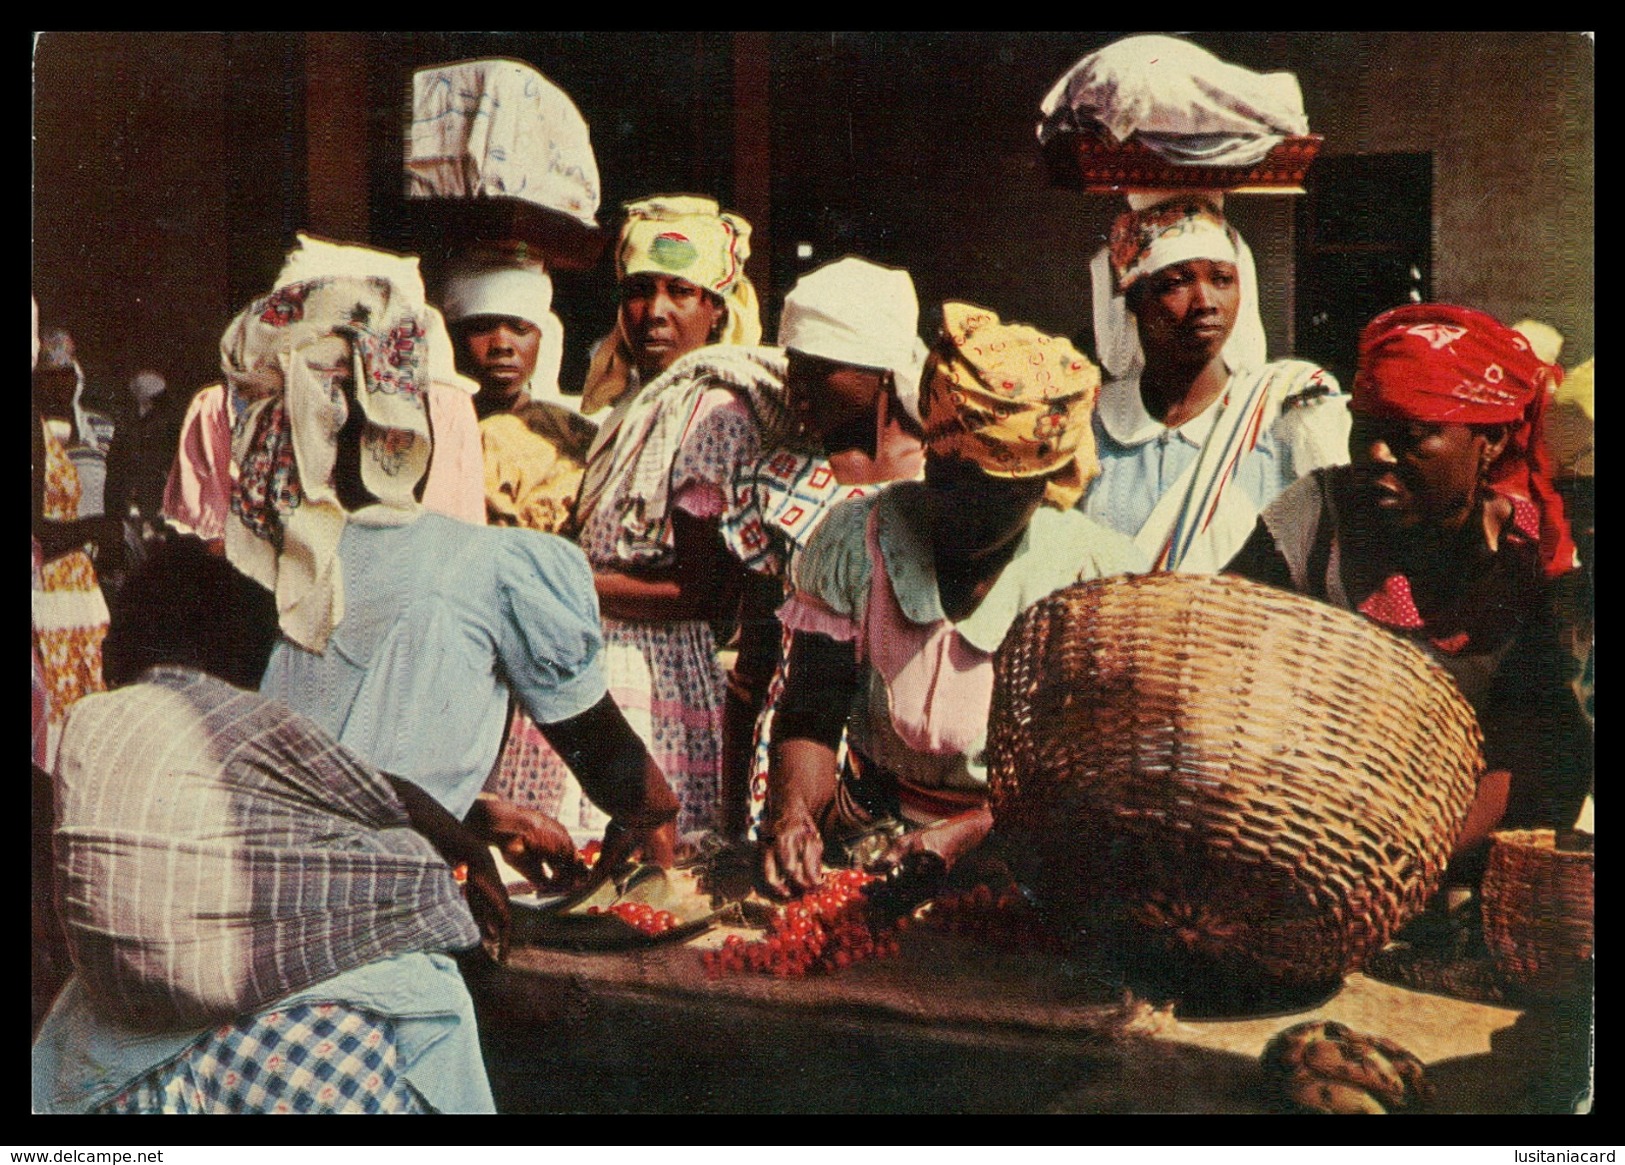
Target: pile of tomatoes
[825,930]
[640,916]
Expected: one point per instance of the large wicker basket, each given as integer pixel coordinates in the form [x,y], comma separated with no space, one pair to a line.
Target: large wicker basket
[1538,893]
[1228,774]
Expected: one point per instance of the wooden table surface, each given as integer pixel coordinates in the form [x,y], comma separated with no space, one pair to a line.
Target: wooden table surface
[953,1024]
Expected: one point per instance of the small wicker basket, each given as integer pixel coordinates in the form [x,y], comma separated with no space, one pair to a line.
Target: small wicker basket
[1538,893]
[1226,774]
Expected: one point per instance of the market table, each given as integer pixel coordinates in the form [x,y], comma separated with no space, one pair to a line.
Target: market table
[954,1024]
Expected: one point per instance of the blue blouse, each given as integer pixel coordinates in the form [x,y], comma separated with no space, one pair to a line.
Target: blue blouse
[441,620]
[1141,458]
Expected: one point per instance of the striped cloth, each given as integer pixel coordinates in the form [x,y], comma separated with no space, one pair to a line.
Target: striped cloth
[309,1058]
[215,852]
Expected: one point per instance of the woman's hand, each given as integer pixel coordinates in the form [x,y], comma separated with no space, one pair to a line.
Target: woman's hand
[487,897]
[793,860]
[620,777]
[464,849]
[533,843]
[801,785]
[622,844]
[950,840]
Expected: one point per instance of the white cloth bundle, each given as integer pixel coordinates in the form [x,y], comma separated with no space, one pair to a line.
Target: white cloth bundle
[498,127]
[1177,99]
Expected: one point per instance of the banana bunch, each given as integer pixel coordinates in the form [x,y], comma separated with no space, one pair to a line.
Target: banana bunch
[1323,1066]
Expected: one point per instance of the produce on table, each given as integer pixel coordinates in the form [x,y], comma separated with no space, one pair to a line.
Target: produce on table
[825,930]
[1325,1066]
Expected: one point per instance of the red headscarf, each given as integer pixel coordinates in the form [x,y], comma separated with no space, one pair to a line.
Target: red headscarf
[1440,364]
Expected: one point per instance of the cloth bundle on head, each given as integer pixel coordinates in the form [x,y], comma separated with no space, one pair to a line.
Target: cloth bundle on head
[1160,229]
[1441,364]
[1013,400]
[691,238]
[498,127]
[1178,100]
[521,289]
[856,312]
[341,317]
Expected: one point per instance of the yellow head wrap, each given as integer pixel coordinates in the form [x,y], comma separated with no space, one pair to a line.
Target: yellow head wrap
[691,238]
[1012,400]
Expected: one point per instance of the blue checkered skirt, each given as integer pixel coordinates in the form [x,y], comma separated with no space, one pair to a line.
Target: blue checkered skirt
[312,1057]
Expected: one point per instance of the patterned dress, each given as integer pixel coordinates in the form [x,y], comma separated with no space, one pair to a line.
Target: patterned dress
[781,501]
[665,677]
[70,614]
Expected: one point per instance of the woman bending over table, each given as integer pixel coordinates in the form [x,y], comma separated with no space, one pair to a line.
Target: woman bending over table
[902,598]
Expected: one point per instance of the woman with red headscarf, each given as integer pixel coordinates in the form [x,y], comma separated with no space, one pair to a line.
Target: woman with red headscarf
[1446,530]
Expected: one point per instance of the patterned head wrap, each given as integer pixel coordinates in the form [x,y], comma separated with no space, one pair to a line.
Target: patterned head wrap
[288,358]
[1159,229]
[1452,365]
[1012,400]
[690,238]
[1144,241]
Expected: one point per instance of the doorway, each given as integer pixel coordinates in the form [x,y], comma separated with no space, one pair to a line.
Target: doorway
[1365,244]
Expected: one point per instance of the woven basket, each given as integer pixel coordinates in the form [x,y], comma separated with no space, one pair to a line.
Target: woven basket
[1228,774]
[1538,904]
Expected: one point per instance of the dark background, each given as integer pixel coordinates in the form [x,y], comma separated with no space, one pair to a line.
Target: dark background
[171,171]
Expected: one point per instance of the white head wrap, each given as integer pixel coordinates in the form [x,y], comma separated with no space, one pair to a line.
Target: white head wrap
[853,311]
[523,292]
[1117,334]
[498,127]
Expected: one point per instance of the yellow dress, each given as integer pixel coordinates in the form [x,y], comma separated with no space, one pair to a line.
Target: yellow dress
[70,614]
